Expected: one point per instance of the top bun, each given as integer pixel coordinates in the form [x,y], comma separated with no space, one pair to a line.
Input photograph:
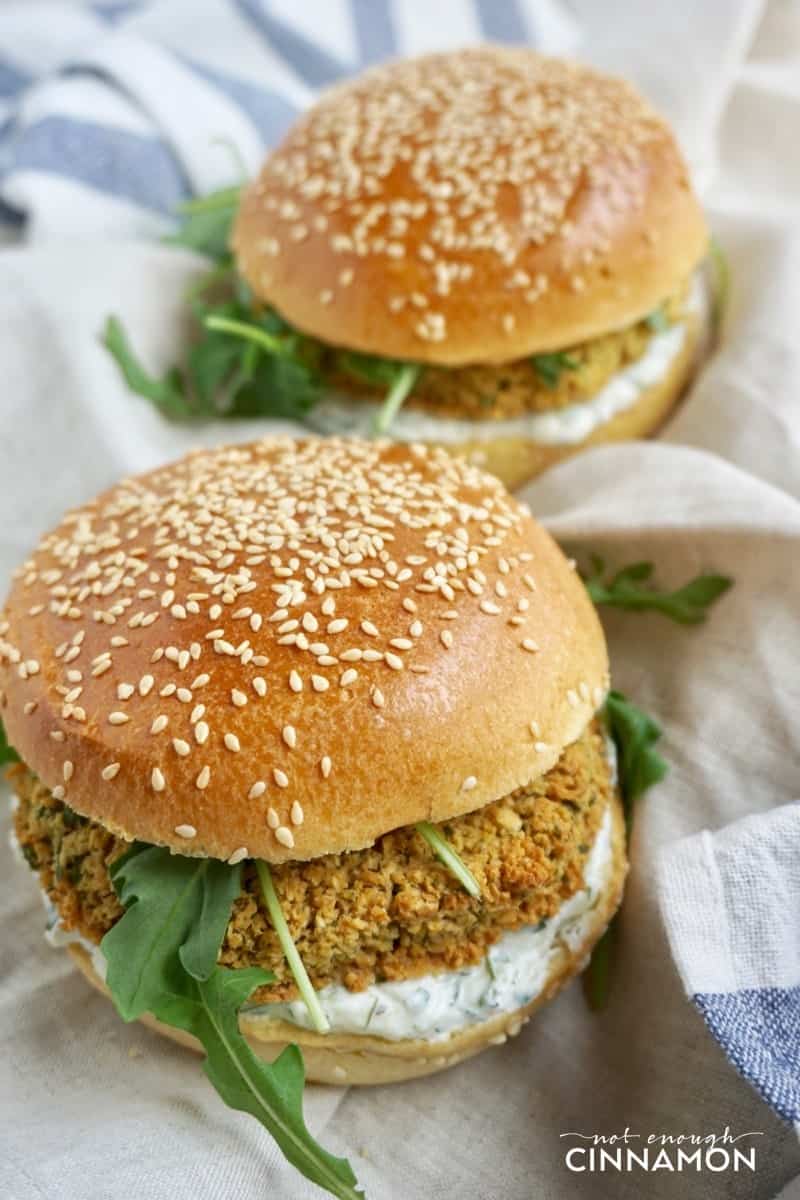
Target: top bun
[476,206]
[288,648]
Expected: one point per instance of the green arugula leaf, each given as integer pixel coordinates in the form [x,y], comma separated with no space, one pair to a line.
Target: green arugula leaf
[448,857]
[290,952]
[167,393]
[162,958]
[657,320]
[549,367]
[7,753]
[177,911]
[722,283]
[272,1094]
[631,589]
[206,222]
[634,734]
[639,767]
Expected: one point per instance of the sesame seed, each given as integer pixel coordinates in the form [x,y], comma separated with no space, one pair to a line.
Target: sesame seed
[157,781]
[185,831]
[238,698]
[110,772]
[295,682]
[280,777]
[325,766]
[181,747]
[125,691]
[289,735]
[347,677]
[377,698]
[118,718]
[572,698]
[257,790]
[203,779]
[184,695]
[238,856]
[201,732]
[285,836]
[540,747]
[319,683]
[273,820]
[58,792]
[446,638]
[530,645]
[159,724]
[232,743]
[469,783]
[57,735]
[68,770]
[297,813]
[393,660]
[489,607]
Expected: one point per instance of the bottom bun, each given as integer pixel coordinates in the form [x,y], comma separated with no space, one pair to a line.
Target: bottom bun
[345,1059]
[515,460]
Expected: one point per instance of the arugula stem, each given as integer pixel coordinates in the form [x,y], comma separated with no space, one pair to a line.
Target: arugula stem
[224,198]
[397,394]
[250,333]
[447,855]
[318,1018]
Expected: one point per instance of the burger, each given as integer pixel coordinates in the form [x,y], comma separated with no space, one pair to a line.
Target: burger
[488,250]
[516,236]
[320,716]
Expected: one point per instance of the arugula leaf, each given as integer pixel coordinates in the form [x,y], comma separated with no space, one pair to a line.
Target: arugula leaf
[448,857]
[657,320]
[272,1094]
[549,367]
[290,953]
[634,734]
[167,393]
[626,589]
[7,753]
[722,283]
[177,911]
[639,767]
[205,225]
[162,958]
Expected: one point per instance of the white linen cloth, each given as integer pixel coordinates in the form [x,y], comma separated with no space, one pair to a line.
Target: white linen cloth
[81,1118]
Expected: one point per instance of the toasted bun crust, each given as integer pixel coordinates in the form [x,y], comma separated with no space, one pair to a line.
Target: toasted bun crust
[475,206]
[345,1059]
[515,460]
[288,648]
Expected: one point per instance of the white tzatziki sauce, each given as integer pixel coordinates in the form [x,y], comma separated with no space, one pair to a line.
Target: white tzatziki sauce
[432,1007]
[336,414]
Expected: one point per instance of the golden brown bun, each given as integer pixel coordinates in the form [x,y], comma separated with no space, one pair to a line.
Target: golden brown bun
[474,206]
[515,460]
[439,725]
[353,1059]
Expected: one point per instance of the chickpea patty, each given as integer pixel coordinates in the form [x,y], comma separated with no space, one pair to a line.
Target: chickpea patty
[391,911]
[541,383]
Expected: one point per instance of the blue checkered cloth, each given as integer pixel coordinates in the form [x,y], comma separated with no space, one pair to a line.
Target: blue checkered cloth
[731,906]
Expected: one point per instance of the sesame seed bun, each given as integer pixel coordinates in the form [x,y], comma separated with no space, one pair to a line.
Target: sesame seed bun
[356,1059]
[287,648]
[475,206]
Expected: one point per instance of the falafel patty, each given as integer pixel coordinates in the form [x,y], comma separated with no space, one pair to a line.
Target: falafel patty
[540,383]
[388,912]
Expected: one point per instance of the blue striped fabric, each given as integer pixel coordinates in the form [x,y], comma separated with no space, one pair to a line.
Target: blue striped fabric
[125,165]
[12,79]
[759,1030]
[311,62]
[270,112]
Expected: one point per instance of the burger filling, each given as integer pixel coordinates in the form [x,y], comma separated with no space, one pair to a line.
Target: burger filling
[378,928]
[542,382]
